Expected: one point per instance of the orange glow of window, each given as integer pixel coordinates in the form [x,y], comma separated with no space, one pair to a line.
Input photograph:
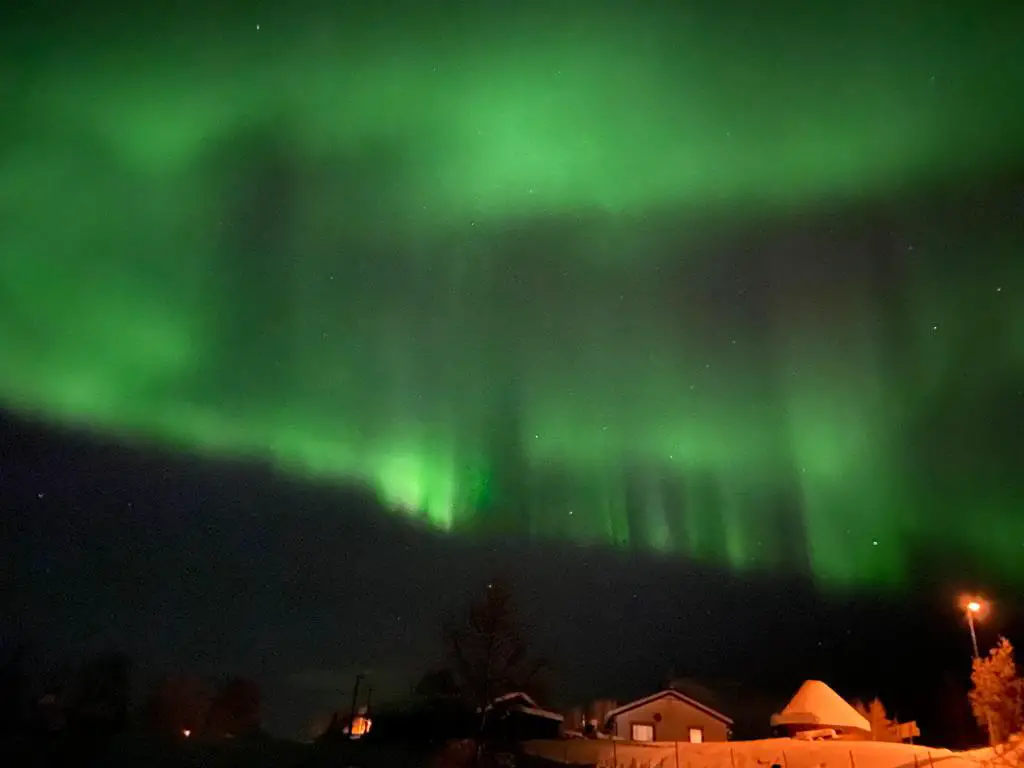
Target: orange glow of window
[360,726]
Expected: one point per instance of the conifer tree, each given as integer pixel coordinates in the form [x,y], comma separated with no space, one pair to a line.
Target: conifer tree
[881,727]
[997,698]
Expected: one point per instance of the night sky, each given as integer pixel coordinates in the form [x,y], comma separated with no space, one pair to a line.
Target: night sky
[701,321]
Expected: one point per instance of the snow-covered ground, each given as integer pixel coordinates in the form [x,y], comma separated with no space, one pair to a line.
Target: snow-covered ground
[1011,754]
[784,753]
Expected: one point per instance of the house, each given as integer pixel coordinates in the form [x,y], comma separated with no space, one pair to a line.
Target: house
[817,707]
[668,716]
[517,717]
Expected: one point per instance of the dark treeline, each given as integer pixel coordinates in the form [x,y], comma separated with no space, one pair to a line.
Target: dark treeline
[85,713]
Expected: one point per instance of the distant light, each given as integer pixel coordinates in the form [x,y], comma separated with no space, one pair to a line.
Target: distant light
[974,606]
[186,733]
[360,726]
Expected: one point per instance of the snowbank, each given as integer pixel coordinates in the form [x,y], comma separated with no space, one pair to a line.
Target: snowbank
[784,753]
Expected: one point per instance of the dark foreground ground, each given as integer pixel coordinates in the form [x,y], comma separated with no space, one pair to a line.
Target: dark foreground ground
[263,752]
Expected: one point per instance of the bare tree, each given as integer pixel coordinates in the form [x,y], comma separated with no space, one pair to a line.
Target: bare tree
[489,652]
[438,684]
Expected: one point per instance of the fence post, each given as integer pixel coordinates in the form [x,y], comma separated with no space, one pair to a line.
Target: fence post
[677,753]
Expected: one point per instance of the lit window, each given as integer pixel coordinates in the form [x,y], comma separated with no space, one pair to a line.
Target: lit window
[696,735]
[642,732]
[360,726]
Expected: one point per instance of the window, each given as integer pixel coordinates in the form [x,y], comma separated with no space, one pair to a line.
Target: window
[642,732]
[696,735]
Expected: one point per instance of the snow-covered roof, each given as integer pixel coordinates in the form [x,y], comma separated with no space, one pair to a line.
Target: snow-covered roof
[817,705]
[509,697]
[671,694]
[522,702]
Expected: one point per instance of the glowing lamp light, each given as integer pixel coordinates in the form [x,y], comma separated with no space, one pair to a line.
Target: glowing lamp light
[186,733]
[975,609]
[974,605]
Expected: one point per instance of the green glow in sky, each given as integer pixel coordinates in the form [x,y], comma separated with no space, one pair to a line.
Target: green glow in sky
[611,275]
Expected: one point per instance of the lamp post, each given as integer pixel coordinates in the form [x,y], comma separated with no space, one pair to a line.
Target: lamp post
[355,702]
[973,607]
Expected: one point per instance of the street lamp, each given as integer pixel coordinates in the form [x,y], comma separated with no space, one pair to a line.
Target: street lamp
[973,607]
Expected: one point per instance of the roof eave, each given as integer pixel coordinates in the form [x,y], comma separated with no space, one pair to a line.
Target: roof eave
[674,694]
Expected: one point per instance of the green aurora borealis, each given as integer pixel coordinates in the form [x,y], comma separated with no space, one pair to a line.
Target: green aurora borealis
[733,283]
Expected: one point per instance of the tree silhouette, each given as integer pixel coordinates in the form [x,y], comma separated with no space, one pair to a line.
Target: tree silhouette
[996,698]
[177,705]
[101,694]
[489,653]
[236,710]
[881,726]
[14,695]
[438,684]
